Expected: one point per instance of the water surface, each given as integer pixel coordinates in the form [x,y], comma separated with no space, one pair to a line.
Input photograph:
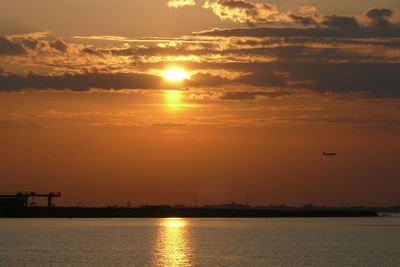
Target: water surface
[201,242]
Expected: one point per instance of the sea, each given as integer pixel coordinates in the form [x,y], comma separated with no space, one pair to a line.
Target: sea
[201,242]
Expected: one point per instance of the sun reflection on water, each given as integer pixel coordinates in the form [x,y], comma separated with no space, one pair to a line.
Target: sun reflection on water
[172,247]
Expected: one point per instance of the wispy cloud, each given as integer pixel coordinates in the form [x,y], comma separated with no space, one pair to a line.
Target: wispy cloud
[33,35]
[180,3]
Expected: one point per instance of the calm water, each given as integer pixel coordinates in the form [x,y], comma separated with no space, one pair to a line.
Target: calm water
[200,242]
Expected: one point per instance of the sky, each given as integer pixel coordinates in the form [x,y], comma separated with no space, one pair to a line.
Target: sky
[260,89]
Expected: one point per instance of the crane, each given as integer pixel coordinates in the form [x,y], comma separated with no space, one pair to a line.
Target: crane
[26,195]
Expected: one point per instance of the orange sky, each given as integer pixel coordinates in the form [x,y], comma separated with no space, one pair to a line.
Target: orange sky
[86,109]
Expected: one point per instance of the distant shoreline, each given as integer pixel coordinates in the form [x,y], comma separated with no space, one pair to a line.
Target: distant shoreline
[164,212]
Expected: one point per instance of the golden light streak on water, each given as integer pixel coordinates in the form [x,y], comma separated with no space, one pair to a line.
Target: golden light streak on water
[172,247]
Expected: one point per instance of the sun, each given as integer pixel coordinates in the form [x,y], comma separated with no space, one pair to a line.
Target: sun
[175,74]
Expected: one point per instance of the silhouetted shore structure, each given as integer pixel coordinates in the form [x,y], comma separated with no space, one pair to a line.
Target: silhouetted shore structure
[21,199]
[18,206]
[167,211]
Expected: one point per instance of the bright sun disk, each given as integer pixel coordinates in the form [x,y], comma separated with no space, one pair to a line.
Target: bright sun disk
[175,74]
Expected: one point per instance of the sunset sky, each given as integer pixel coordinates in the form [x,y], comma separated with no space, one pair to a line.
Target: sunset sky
[149,101]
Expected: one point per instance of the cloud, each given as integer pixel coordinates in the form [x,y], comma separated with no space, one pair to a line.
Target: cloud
[340,22]
[80,82]
[307,10]
[9,48]
[32,35]
[30,43]
[379,17]
[91,51]
[180,3]
[261,77]
[374,79]
[104,37]
[344,23]
[201,80]
[357,32]
[59,45]
[368,79]
[242,11]
[303,20]
[332,54]
[252,95]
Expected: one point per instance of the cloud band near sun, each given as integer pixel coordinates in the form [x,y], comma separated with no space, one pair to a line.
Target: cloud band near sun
[321,53]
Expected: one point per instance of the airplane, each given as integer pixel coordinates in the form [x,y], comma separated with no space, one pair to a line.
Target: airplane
[328,154]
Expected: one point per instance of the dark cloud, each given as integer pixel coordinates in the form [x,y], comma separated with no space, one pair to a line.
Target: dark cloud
[242,11]
[263,78]
[59,45]
[323,26]
[252,95]
[91,51]
[9,48]
[30,43]
[283,48]
[371,79]
[306,41]
[303,32]
[344,23]
[200,80]
[376,79]
[303,20]
[293,50]
[262,13]
[122,52]
[295,53]
[80,82]
[340,22]
[236,4]
[379,17]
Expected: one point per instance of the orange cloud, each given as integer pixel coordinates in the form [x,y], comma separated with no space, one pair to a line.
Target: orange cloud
[242,11]
[180,3]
